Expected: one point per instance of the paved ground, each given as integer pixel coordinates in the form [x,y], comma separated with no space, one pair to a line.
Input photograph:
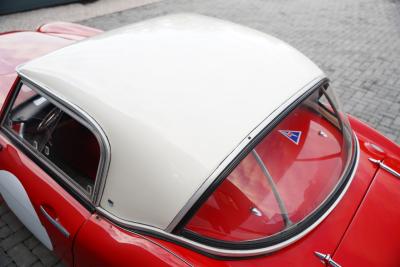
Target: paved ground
[17,245]
[72,12]
[356,42]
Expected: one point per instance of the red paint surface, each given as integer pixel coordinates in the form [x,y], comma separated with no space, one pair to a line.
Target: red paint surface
[374,234]
[370,135]
[372,238]
[19,47]
[68,28]
[100,243]
[44,191]
[6,83]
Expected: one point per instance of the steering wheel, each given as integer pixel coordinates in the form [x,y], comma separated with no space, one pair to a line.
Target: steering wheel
[51,118]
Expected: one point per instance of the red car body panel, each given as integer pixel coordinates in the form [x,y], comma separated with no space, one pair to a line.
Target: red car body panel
[101,243]
[44,192]
[60,27]
[347,233]
[7,81]
[19,47]
[68,30]
[373,236]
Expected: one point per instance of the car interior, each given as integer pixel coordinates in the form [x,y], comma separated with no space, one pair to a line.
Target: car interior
[55,135]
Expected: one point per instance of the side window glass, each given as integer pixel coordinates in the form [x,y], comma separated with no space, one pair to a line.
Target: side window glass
[325,103]
[324,106]
[66,144]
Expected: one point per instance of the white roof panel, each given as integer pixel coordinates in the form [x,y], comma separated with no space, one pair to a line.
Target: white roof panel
[174,95]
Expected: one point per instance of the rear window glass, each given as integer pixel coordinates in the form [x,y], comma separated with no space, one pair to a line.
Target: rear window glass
[284,178]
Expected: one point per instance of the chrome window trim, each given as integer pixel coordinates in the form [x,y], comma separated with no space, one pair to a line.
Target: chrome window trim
[159,233]
[83,118]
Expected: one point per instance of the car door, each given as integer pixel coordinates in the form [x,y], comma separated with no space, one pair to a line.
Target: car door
[49,163]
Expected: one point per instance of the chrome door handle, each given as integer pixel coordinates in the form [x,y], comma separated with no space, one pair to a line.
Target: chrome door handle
[385,167]
[326,259]
[54,222]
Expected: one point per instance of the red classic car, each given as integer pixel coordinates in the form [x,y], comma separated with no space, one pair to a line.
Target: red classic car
[189,141]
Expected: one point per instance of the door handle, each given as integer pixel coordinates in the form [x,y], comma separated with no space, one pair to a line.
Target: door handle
[326,259]
[54,222]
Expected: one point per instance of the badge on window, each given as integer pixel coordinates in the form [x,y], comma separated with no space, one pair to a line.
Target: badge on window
[293,136]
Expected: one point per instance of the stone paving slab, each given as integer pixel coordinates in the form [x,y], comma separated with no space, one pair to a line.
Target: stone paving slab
[356,42]
[30,20]
[18,247]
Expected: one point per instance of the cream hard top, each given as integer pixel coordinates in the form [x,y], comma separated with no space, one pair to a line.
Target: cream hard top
[175,96]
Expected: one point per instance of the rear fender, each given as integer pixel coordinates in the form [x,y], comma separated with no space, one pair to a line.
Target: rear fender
[67,28]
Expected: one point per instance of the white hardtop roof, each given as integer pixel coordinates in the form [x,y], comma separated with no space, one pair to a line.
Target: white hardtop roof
[175,95]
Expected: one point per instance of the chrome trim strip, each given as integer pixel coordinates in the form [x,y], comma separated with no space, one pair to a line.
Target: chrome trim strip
[385,167]
[214,175]
[81,116]
[146,229]
[167,249]
[55,223]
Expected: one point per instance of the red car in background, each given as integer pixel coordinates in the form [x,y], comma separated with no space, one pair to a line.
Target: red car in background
[189,141]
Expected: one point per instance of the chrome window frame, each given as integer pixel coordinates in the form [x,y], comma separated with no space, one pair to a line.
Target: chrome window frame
[79,115]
